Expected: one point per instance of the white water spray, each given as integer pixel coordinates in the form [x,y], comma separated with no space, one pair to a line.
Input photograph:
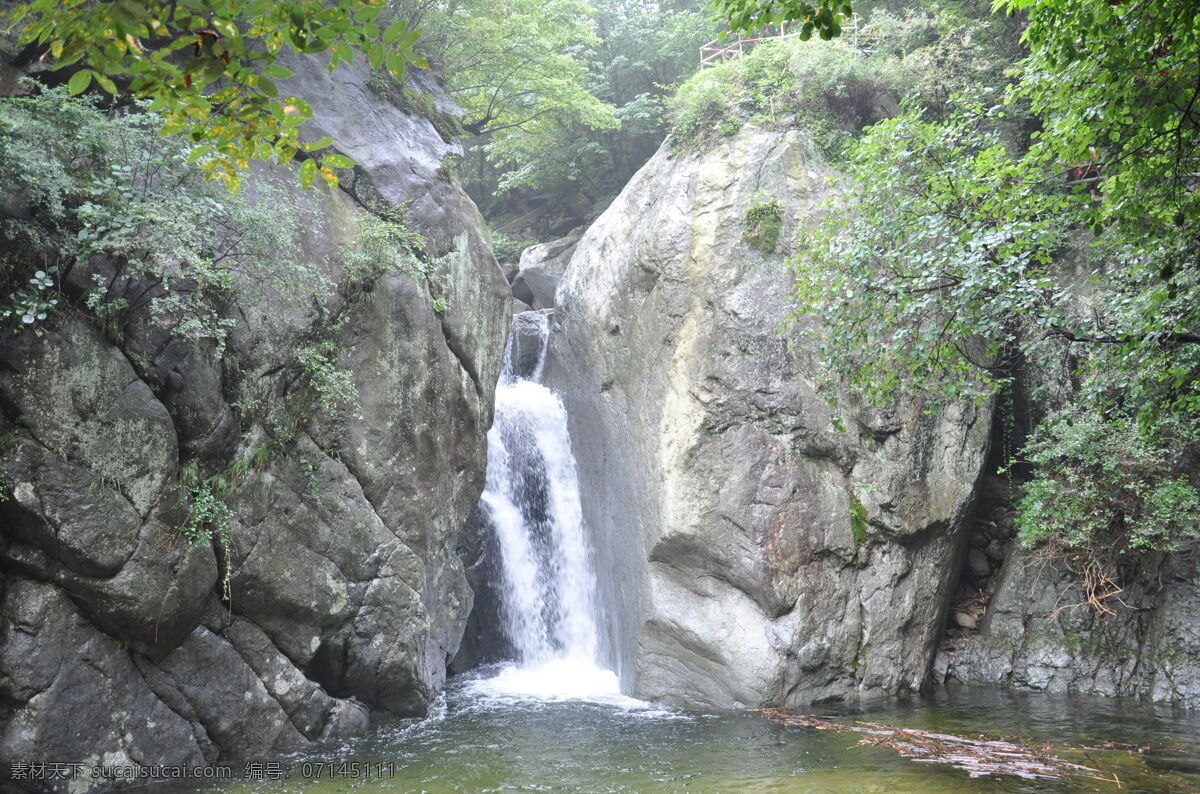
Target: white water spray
[548,588]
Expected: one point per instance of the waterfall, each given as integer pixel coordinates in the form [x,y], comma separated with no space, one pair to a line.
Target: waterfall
[548,586]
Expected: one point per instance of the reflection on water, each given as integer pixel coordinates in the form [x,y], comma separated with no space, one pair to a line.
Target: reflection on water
[505,730]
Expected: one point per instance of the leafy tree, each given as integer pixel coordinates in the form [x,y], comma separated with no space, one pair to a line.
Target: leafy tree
[565,98]
[937,195]
[823,17]
[1117,87]
[1103,494]
[934,270]
[209,66]
[510,66]
[85,185]
[966,247]
[830,89]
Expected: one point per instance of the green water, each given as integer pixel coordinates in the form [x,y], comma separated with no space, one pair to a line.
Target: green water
[488,744]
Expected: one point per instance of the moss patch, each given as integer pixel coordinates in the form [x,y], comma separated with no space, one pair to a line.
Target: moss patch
[858,521]
[764,222]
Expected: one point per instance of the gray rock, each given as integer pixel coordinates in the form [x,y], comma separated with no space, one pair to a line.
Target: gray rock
[313,712]
[526,342]
[75,695]
[212,677]
[722,499]
[978,564]
[347,593]
[1040,635]
[540,269]
[79,397]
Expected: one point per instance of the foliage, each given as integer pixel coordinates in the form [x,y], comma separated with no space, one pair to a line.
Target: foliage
[934,269]
[89,187]
[642,50]
[823,17]
[508,249]
[1104,493]
[951,225]
[31,305]
[600,119]
[386,243]
[830,89]
[209,520]
[858,521]
[701,114]
[927,55]
[331,387]
[834,90]
[764,222]
[1104,481]
[1117,86]
[509,66]
[1054,232]
[209,66]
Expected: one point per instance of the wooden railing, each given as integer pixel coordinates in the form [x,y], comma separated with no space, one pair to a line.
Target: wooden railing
[712,53]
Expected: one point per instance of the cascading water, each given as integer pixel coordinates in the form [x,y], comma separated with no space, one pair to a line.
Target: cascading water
[548,588]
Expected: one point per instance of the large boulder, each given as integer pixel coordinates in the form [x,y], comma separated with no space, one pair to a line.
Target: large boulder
[118,642]
[750,553]
[1041,634]
[540,269]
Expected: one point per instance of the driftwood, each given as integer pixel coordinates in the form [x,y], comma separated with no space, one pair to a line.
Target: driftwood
[976,757]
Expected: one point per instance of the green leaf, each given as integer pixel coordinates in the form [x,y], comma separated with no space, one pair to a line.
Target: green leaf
[395,64]
[394,31]
[79,82]
[375,55]
[338,161]
[319,144]
[367,14]
[344,51]
[308,170]
[408,40]
[106,83]
[197,153]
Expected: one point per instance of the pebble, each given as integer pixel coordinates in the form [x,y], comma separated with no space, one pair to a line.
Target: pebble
[964,621]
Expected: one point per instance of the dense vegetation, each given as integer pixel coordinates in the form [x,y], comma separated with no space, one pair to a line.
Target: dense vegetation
[836,89]
[563,100]
[104,218]
[1037,229]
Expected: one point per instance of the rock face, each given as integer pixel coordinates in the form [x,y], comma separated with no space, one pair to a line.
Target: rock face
[750,552]
[1039,635]
[346,591]
[540,269]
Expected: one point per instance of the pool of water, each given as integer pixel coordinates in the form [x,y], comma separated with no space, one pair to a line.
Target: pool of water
[489,734]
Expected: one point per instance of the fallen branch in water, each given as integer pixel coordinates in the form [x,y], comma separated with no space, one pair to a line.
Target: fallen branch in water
[976,757]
